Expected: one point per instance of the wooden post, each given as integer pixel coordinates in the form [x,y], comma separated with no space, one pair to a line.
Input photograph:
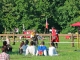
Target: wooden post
[78,40]
[13,38]
[72,38]
[50,39]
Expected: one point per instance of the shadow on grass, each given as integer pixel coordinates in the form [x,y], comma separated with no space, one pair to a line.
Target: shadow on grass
[13,52]
[0,46]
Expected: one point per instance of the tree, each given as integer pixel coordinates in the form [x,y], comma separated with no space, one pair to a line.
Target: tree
[66,14]
[33,14]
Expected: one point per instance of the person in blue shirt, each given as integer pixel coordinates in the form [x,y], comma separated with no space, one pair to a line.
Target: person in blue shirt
[42,49]
[24,47]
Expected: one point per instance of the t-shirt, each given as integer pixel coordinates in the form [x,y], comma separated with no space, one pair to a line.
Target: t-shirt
[42,48]
[52,51]
[24,47]
[31,50]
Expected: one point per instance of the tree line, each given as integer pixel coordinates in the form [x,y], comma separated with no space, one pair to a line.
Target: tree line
[33,14]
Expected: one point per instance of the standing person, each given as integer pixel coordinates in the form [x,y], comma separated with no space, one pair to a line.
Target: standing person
[55,37]
[32,34]
[16,30]
[52,50]
[34,37]
[7,40]
[4,55]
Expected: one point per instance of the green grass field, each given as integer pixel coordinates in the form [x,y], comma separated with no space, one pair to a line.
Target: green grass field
[65,51]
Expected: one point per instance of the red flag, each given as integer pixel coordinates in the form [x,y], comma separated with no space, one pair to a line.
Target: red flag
[46,24]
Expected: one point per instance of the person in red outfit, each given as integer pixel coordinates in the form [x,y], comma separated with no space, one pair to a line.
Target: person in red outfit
[55,37]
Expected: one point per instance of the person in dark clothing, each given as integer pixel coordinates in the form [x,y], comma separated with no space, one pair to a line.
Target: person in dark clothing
[35,39]
[7,47]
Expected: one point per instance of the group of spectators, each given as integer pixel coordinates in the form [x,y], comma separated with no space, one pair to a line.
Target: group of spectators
[40,50]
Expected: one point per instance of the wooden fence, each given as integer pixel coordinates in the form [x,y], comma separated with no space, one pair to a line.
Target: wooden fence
[44,35]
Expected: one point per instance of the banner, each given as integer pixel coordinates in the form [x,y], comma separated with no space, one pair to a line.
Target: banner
[46,24]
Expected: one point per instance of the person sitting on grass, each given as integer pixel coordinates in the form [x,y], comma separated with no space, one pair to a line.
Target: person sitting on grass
[31,49]
[4,55]
[20,48]
[8,47]
[52,50]
[24,47]
[42,49]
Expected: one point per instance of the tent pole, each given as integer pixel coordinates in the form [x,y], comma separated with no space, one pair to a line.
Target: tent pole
[77,40]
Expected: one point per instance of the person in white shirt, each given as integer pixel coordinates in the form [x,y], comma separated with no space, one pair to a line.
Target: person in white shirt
[31,49]
[52,50]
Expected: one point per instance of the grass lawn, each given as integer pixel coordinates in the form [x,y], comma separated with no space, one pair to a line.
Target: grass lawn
[65,51]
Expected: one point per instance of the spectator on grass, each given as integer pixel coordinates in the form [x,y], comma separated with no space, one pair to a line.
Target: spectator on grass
[31,49]
[4,55]
[20,49]
[7,47]
[52,50]
[24,47]
[42,49]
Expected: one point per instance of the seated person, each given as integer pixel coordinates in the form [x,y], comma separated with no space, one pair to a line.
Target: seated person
[42,49]
[31,49]
[52,50]
[4,55]
[8,47]
[20,48]
[24,47]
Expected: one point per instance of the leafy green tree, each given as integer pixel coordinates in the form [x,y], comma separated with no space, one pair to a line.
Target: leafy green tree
[33,14]
[67,14]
